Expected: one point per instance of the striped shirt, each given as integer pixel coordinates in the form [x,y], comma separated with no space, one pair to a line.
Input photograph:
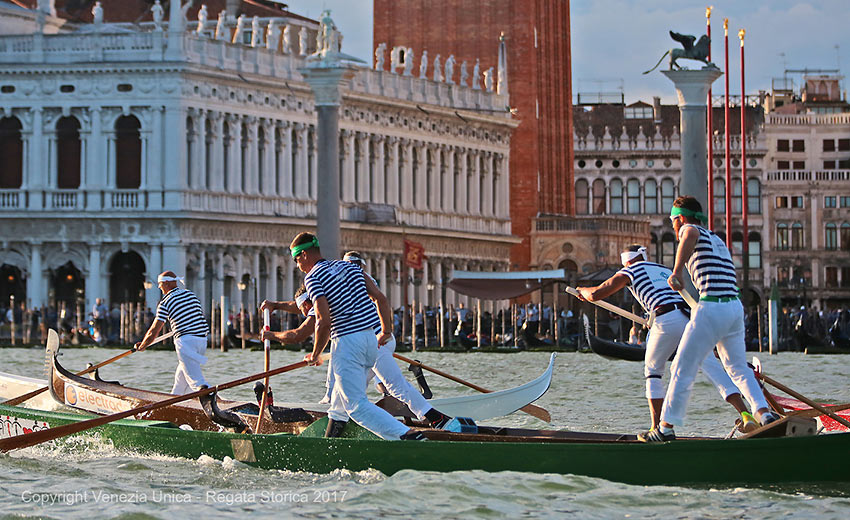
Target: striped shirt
[182,309]
[711,266]
[648,284]
[342,284]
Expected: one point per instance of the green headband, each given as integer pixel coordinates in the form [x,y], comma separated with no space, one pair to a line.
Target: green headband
[295,251]
[685,212]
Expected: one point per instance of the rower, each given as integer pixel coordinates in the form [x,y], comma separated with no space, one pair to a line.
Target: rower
[647,281]
[345,315]
[182,309]
[717,319]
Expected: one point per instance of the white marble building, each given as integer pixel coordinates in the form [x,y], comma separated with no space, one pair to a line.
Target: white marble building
[130,149]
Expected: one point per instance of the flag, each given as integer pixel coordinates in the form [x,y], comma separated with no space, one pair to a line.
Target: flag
[414,252]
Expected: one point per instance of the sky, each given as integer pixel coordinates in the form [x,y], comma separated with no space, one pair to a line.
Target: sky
[613,41]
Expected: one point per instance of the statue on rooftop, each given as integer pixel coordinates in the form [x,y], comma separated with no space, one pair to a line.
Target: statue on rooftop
[379,56]
[423,65]
[202,18]
[97,13]
[689,51]
[237,34]
[464,74]
[408,62]
[488,79]
[438,73]
[255,32]
[156,14]
[302,41]
[450,69]
[221,27]
[476,74]
[272,36]
[287,39]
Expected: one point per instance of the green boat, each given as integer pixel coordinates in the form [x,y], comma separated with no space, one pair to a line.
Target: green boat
[802,463]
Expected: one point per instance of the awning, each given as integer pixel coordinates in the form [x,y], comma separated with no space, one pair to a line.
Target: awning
[502,286]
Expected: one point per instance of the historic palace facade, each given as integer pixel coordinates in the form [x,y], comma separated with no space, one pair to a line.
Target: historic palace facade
[128,149]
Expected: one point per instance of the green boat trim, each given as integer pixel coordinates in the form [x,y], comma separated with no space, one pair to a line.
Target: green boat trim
[795,463]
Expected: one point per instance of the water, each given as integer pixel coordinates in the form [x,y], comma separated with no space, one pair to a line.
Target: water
[86,478]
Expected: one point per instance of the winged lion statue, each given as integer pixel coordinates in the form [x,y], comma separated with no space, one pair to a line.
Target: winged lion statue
[690,50]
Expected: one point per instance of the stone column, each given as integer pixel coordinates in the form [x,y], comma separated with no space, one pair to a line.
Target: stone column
[299,173]
[272,262]
[462,182]
[200,289]
[37,174]
[487,182]
[251,171]
[362,167]
[391,171]
[284,186]
[313,161]
[174,156]
[153,270]
[376,163]
[96,175]
[217,145]
[405,179]
[36,292]
[692,89]
[288,282]
[174,258]
[200,157]
[474,186]
[347,174]
[421,198]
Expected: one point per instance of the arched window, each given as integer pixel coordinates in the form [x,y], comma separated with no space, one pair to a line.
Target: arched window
[844,237]
[754,250]
[190,150]
[797,237]
[68,153]
[650,196]
[736,197]
[261,158]
[633,196]
[598,197]
[668,194]
[582,196]
[128,153]
[720,197]
[754,196]
[831,236]
[226,140]
[209,139]
[668,249]
[11,153]
[737,248]
[783,239]
[615,202]
[243,156]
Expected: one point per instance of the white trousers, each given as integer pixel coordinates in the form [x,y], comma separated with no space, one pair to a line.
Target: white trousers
[190,356]
[388,372]
[661,343]
[711,324]
[352,356]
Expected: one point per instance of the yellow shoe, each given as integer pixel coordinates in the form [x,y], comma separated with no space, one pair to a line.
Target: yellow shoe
[749,423]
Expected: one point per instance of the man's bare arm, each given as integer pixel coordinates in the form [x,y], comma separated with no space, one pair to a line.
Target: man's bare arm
[292,336]
[686,248]
[150,335]
[605,289]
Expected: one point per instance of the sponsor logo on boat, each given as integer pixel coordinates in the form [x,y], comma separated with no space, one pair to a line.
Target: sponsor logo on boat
[93,402]
[12,426]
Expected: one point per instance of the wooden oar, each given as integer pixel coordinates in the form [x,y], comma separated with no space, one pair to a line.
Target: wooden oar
[31,439]
[266,347]
[816,406]
[530,409]
[613,308]
[53,345]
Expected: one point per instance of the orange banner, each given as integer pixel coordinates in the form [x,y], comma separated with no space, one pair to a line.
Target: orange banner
[414,252]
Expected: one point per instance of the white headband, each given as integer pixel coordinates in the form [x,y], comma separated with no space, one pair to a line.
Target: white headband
[163,278]
[628,256]
[300,299]
[349,257]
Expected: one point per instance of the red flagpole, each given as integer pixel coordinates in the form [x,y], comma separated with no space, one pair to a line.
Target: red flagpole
[710,131]
[726,134]
[744,210]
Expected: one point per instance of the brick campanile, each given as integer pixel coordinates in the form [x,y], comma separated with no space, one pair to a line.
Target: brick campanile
[539,83]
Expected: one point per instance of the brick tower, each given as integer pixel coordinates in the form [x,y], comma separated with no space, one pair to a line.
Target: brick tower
[537,33]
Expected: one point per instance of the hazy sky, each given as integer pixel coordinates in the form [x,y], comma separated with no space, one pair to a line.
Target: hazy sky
[613,41]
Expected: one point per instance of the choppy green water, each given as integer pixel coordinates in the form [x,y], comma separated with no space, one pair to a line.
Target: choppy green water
[87,479]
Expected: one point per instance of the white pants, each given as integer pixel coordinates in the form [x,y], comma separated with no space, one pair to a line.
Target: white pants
[352,356]
[388,372]
[711,324]
[661,343]
[190,357]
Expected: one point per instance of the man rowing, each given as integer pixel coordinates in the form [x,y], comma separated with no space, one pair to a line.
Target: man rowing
[647,281]
[182,309]
[717,319]
[346,316]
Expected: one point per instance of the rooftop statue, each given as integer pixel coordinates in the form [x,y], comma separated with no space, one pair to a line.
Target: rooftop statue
[689,51]
[203,14]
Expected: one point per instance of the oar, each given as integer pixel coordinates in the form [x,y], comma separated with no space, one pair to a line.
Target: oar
[613,308]
[530,409]
[266,348]
[53,345]
[31,439]
[805,399]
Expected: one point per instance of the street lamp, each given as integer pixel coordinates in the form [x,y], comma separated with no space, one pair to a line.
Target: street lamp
[147,284]
[242,286]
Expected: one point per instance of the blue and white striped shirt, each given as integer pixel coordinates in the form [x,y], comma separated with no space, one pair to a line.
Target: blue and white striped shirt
[649,284]
[182,309]
[342,284]
[711,266]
